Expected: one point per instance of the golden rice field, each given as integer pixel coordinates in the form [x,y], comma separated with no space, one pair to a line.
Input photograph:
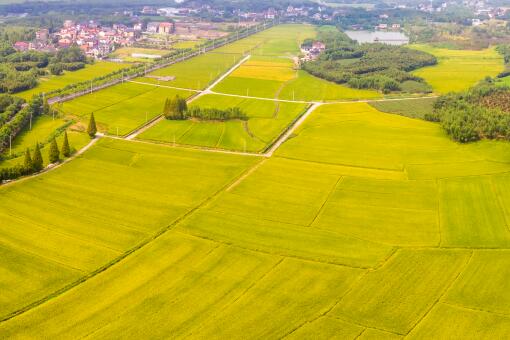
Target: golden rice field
[361,225]
[364,224]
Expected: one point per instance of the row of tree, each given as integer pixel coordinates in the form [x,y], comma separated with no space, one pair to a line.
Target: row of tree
[34,163]
[177,109]
[481,112]
[10,129]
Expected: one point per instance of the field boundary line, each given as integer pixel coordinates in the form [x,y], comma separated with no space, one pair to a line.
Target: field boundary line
[245,175]
[122,256]
[443,294]
[267,252]
[343,165]
[342,296]
[246,290]
[190,147]
[480,310]
[330,193]
[163,86]
[285,136]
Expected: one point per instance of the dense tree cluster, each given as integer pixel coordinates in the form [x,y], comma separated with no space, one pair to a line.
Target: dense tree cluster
[370,66]
[481,112]
[177,109]
[19,70]
[230,113]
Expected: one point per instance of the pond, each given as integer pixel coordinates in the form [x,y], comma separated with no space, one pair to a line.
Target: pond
[392,38]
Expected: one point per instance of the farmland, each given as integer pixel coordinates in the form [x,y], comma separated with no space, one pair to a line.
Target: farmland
[312,250]
[57,82]
[121,108]
[266,121]
[458,70]
[271,73]
[362,224]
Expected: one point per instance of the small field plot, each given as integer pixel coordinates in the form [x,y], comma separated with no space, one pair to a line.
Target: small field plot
[309,88]
[483,285]
[413,108]
[396,296]
[457,70]
[358,135]
[79,217]
[392,212]
[471,214]
[195,73]
[266,121]
[57,82]
[453,322]
[122,108]
[258,77]
[98,100]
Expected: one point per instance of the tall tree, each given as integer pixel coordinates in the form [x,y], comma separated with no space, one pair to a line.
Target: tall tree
[28,163]
[66,150]
[46,107]
[37,161]
[54,154]
[182,106]
[92,129]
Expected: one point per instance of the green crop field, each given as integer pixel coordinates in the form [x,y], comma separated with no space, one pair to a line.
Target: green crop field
[122,108]
[195,73]
[57,82]
[271,73]
[267,120]
[363,224]
[458,70]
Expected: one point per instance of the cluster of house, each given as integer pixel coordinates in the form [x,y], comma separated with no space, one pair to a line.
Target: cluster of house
[95,40]
[481,8]
[315,12]
[312,52]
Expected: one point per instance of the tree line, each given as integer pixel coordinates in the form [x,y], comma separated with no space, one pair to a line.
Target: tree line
[481,112]
[177,109]
[33,162]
